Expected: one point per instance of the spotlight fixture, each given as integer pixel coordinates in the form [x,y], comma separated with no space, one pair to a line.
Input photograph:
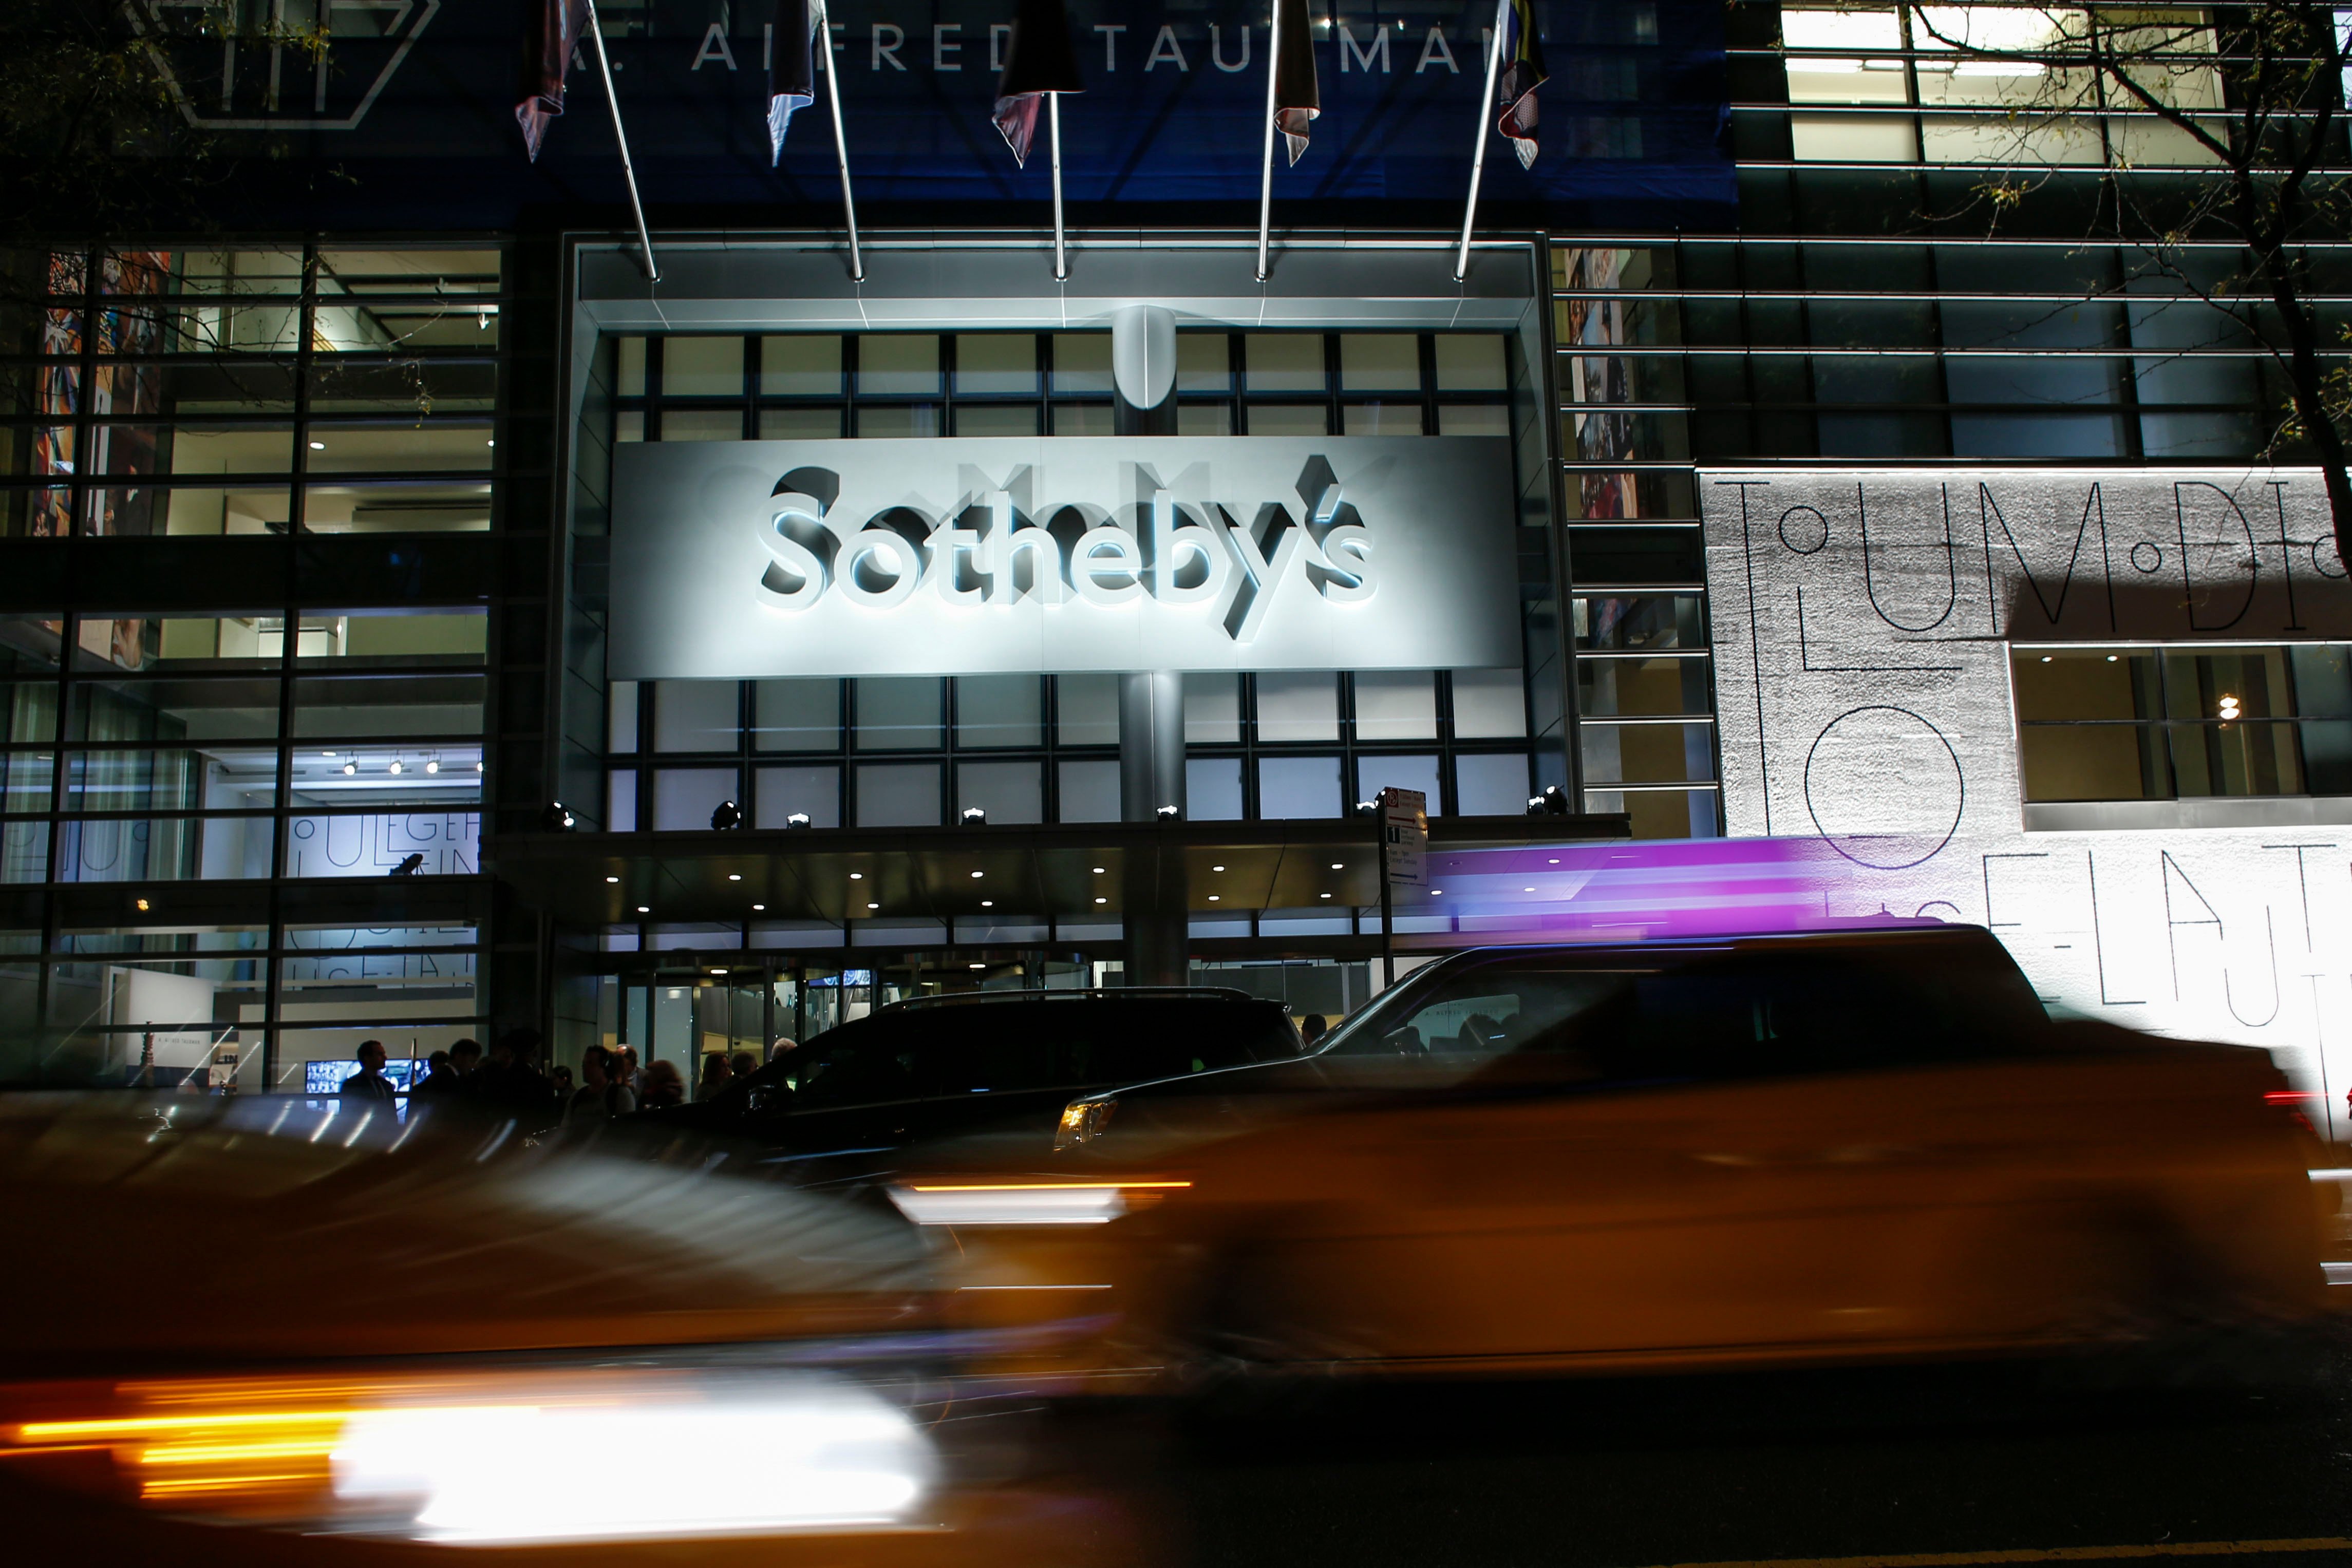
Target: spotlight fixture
[557,818]
[478,767]
[2227,706]
[350,768]
[395,769]
[973,817]
[142,906]
[1552,802]
[727,818]
[1368,808]
[797,819]
[1170,813]
[432,765]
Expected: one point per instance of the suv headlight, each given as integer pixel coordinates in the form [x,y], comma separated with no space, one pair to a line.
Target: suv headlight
[1083,1122]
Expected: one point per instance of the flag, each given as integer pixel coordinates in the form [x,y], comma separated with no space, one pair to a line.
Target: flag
[1037,61]
[1523,72]
[551,30]
[791,68]
[1297,99]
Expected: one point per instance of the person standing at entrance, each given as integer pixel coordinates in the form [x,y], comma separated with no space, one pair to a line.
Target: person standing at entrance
[785,1045]
[587,1104]
[621,1085]
[368,1085]
[717,1073]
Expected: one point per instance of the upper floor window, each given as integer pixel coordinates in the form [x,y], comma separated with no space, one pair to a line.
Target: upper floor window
[2184,722]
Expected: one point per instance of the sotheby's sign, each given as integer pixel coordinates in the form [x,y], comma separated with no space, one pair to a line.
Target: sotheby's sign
[746,560]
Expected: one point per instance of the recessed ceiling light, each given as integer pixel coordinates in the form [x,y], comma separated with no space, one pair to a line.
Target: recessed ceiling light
[1212,898]
[873,906]
[432,765]
[1098,870]
[734,877]
[644,909]
[1527,890]
[1102,900]
[977,874]
[980,966]
[351,767]
[612,879]
[1216,868]
[2111,658]
[2045,658]
[396,766]
[1323,895]
[142,906]
[1438,893]
[857,877]
[759,906]
[1337,866]
[718,971]
[326,754]
[988,903]
[318,446]
[1555,860]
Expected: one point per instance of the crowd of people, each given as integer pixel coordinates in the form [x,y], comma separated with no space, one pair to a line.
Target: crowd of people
[508,1080]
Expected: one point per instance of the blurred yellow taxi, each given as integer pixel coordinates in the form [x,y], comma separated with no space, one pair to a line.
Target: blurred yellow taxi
[1671,1154]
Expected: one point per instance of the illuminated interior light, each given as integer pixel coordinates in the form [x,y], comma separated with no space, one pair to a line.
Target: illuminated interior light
[396,766]
[759,906]
[988,903]
[1323,895]
[873,906]
[644,909]
[1102,900]
[1337,866]
[977,874]
[613,879]
[1212,898]
[734,877]
[857,877]
[432,765]
[318,446]
[351,767]
[1098,870]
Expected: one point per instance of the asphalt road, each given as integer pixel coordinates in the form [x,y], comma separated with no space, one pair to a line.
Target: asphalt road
[1945,1468]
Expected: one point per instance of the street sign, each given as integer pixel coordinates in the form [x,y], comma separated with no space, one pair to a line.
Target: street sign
[1404,836]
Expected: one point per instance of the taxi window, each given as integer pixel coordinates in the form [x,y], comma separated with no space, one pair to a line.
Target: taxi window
[1488,1012]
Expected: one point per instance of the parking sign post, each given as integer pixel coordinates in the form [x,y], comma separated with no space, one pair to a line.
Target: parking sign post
[1405,858]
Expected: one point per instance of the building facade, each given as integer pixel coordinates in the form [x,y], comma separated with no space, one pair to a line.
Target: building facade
[903,617]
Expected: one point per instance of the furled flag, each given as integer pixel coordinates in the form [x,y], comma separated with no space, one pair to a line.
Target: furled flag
[1037,61]
[791,68]
[551,29]
[1523,72]
[1297,99]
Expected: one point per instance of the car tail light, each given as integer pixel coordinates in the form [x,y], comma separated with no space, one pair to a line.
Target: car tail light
[2297,1103]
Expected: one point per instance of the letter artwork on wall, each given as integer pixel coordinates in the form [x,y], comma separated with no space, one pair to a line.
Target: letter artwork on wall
[1881,645]
[748,559]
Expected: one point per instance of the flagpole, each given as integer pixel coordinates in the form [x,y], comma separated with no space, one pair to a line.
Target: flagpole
[628,171]
[1053,142]
[1478,159]
[840,138]
[1265,183]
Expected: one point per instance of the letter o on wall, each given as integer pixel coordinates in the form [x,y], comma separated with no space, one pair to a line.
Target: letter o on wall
[874,553]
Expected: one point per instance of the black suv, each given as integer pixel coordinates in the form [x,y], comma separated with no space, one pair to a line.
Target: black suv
[986,1062]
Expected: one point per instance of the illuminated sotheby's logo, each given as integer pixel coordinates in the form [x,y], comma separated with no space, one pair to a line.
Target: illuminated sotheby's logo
[987,551]
[748,561]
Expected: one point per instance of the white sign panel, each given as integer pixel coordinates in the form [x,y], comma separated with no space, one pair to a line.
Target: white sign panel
[736,561]
[1404,822]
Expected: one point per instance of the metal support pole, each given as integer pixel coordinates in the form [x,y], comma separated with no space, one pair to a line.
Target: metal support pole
[1265,182]
[840,138]
[628,170]
[1053,144]
[1388,910]
[1478,158]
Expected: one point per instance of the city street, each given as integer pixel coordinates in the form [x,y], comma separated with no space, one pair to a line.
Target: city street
[1904,1469]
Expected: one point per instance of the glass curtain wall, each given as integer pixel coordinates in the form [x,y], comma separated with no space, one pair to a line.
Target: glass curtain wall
[324,389]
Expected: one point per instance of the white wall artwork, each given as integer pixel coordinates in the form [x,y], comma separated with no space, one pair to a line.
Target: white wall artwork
[1862,626]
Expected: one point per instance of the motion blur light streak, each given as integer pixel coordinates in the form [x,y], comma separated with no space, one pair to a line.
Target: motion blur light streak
[510,1457]
[1021,1203]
